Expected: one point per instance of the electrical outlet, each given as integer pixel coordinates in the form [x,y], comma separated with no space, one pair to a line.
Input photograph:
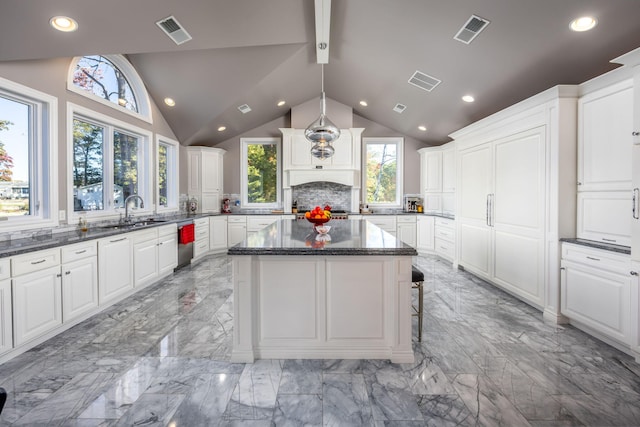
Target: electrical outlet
[62,215]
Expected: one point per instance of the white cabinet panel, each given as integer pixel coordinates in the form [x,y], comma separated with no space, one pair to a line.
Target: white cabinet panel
[406,231]
[432,171]
[448,170]
[518,265]
[217,233]
[258,222]
[205,177]
[475,247]
[115,268]
[236,229]
[6,316]
[425,231]
[167,252]
[79,287]
[37,304]
[605,216]
[476,183]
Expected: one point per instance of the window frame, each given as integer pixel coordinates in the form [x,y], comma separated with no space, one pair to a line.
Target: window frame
[145,165]
[244,182]
[132,76]
[172,170]
[43,157]
[399,142]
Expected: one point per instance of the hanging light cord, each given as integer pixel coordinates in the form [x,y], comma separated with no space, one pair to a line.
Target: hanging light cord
[322,85]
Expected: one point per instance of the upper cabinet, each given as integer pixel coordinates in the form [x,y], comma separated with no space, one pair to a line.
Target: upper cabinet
[296,151]
[605,122]
[205,177]
[438,178]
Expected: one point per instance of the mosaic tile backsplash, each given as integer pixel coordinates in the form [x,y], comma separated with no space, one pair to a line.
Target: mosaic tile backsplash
[320,193]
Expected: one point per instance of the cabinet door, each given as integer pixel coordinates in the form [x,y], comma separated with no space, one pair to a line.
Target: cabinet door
[517,216]
[236,233]
[433,171]
[407,233]
[300,151]
[475,172]
[79,287]
[343,156]
[425,228]
[37,304]
[448,170]
[604,149]
[115,268]
[167,253]
[145,262]
[596,298]
[210,202]
[194,172]
[211,165]
[217,233]
[6,320]
[605,216]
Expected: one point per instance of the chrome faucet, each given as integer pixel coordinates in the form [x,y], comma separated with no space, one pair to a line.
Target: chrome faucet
[127,218]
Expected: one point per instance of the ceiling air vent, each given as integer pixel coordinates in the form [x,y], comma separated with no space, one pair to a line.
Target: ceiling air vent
[399,108]
[174,30]
[244,108]
[424,81]
[471,29]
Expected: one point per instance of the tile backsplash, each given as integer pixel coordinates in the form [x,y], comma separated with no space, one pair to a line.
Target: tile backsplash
[320,193]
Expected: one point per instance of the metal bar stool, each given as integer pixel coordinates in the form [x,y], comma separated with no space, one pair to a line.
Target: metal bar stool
[417,277]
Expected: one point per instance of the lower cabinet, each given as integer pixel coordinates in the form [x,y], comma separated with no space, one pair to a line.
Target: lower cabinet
[425,227]
[115,267]
[596,291]
[201,243]
[79,279]
[236,229]
[145,257]
[167,249]
[217,233]
[406,229]
[6,320]
[386,222]
[445,238]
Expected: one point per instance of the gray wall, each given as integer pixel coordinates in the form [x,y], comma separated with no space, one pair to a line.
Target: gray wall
[50,76]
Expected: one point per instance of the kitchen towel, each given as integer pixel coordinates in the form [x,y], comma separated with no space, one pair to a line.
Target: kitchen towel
[186,234]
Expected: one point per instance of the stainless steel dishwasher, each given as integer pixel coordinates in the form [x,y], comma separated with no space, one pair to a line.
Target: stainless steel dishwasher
[185,250]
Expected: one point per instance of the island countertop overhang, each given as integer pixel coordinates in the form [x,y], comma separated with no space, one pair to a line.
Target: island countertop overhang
[346,238]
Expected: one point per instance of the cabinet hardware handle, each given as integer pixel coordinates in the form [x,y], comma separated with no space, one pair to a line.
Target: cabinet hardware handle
[487,213]
[67,272]
[633,273]
[635,133]
[117,240]
[562,268]
[634,208]
[609,240]
[38,262]
[81,252]
[58,275]
[592,258]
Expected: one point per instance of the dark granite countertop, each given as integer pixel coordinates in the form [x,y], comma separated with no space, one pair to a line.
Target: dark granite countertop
[346,237]
[599,245]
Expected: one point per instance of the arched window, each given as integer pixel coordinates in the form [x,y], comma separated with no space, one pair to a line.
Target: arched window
[111,80]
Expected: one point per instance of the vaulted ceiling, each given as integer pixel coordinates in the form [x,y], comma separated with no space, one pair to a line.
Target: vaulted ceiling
[260,52]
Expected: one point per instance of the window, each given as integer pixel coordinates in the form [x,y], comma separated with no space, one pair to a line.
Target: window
[110,161]
[167,166]
[260,172]
[27,159]
[383,172]
[110,80]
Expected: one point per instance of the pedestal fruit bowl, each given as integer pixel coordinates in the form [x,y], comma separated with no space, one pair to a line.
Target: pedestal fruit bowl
[318,216]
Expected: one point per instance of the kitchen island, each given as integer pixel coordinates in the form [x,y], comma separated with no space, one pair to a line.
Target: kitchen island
[302,295]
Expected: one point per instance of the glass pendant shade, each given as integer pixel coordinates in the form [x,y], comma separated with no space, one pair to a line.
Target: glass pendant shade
[322,150]
[322,132]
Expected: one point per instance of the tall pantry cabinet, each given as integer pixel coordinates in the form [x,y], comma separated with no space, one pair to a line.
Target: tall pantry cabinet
[516,195]
[205,177]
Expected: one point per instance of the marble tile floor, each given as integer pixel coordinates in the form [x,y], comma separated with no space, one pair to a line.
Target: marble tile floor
[161,358]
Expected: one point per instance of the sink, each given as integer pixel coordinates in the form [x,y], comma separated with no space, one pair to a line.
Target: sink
[147,222]
[142,223]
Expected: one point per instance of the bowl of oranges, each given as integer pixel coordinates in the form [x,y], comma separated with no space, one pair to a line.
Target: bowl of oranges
[318,216]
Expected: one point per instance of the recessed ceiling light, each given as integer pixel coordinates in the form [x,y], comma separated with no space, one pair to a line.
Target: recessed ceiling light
[222,128]
[63,23]
[468,98]
[363,103]
[281,103]
[584,23]
[422,128]
[170,102]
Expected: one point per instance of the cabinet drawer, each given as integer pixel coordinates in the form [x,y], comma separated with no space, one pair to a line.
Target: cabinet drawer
[237,219]
[145,235]
[445,233]
[406,219]
[258,223]
[445,223]
[36,261]
[166,230]
[201,222]
[78,251]
[5,268]
[445,248]
[597,258]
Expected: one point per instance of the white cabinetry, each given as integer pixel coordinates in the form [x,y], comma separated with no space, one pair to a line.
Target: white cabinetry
[79,279]
[258,222]
[6,316]
[596,291]
[217,233]
[605,122]
[201,243]
[236,229]
[438,178]
[145,257]
[115,267]
[167,249]
[37,294]
[296,151]
[425,230]
[205,177]
[445,238]
[406,229]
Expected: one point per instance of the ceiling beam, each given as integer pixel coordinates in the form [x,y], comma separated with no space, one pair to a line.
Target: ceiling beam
[323,26]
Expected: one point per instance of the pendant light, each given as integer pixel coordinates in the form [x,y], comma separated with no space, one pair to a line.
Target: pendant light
[322,132]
